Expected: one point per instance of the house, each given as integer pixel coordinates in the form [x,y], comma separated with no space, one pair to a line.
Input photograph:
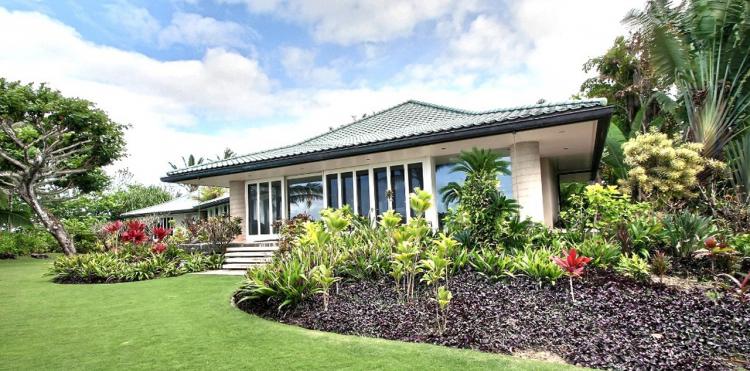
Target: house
[174,212]
[372,164]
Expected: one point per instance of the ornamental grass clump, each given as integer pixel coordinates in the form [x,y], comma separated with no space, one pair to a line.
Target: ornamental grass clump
[572,264]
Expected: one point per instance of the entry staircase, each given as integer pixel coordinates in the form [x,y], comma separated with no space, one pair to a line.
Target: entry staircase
[243,255]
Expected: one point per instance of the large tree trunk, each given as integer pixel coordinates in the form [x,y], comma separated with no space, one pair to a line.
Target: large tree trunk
[53,225]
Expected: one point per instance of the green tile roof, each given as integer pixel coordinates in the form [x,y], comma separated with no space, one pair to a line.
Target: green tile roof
[408,119]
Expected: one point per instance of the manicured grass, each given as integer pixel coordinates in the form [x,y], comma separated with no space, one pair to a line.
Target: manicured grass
[184,322]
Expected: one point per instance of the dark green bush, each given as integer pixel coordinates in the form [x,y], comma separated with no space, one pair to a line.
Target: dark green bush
[27,240]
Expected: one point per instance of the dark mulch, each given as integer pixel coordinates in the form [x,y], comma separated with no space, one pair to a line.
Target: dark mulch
[615,323]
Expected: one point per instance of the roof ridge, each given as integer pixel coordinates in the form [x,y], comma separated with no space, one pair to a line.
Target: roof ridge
[568,102]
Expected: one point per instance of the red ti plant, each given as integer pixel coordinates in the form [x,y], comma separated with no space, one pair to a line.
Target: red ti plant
[160,233]
[159,248]
[573,265]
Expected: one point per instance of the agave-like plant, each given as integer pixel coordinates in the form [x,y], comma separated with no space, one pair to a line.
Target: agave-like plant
[738,159]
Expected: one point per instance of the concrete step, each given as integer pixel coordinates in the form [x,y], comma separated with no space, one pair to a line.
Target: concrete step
[246,260]
[243,266]
[252,248]
[240,254]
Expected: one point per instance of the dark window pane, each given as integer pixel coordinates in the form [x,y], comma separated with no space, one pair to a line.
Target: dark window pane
[363,192]
[399,190]
[265,212]
[347,189]
[252,209]
[276,196]
[381,187]
[415,179]
[332,183]
[305,196]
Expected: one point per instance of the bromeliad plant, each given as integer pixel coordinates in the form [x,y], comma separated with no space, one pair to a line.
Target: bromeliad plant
[572,264]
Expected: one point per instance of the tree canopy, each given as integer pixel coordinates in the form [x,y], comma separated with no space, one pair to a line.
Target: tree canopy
[51,144]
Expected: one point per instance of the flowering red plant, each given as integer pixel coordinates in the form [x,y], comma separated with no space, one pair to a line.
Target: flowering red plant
[136,236]
[158,248]
[160,233]
[113,227]
[135,225]
[710,242]
[573,265]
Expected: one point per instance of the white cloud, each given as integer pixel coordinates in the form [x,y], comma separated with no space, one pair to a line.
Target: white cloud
[535,53]
[348,22]
[197,30]
[136,20]
[299,64]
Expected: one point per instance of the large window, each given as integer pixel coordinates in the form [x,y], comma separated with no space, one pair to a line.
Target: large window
[265,209]
[276,194]
[380,176]
[444,176]
[347,189]
[363,192]
[415,177]
[305,196]
[332,190]
[252,208]
[398,190]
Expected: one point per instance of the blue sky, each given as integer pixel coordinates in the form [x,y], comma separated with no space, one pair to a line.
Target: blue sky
[196,76]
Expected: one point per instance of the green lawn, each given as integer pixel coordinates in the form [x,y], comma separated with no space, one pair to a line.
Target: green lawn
[184,322]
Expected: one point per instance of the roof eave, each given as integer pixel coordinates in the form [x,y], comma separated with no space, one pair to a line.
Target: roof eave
[600,114]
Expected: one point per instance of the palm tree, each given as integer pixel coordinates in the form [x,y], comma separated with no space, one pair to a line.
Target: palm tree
[474,163]
[228,153]
[305,193]
[702,47]
[191,160]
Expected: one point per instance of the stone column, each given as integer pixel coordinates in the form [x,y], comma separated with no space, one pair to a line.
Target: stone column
[527,180]
[237,205]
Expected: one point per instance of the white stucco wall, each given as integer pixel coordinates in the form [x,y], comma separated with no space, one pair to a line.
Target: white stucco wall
[527,180]
[237,204]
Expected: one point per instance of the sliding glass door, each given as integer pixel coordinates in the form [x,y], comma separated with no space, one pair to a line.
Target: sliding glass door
[264,200]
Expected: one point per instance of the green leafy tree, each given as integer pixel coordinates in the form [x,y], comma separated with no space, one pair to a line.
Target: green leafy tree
[641,101]
[51,144]
[703,48]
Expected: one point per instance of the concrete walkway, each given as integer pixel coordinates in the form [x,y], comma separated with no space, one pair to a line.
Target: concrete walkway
[224,272]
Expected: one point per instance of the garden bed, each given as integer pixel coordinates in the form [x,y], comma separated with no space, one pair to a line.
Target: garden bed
[615,322]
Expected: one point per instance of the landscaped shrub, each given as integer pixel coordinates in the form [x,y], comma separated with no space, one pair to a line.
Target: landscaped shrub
[603,254]
[660,264]
[538,265]
[685,232]
[219,231]
[26,240]
[134,252]
[599,210]
[492,264]
[633,266]
[662,170]
[290,230]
